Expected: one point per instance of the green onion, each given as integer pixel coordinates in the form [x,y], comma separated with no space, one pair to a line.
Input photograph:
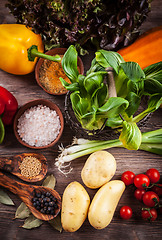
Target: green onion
[151,142]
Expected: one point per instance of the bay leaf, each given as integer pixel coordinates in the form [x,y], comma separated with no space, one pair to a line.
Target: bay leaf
[50,182]
[32,222]
[5,199]
[22,211]
[56,223]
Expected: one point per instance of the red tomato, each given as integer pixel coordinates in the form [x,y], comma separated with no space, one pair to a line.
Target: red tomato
[157,189]
[141,181]
[150,215]
[153,175]
[150,198]
[126,212]
[128,178]
[139,194]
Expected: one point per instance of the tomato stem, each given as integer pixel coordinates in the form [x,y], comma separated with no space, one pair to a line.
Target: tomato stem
[148,209]
[154,184]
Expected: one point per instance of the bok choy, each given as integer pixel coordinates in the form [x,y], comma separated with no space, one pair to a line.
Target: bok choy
[100,97]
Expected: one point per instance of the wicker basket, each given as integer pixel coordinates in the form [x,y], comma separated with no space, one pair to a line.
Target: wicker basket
[104,133]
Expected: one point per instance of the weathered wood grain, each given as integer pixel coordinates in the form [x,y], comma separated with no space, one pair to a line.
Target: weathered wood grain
[25,89]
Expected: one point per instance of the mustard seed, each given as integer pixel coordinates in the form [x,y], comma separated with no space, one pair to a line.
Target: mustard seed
[30,167]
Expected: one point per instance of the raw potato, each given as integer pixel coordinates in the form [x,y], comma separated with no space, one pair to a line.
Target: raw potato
[75,204]
[104,203]
[99,168]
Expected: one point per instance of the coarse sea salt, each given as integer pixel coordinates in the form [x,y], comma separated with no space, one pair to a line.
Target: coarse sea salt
[39,126]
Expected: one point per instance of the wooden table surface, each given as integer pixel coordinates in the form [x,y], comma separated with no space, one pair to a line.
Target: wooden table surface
[25,89]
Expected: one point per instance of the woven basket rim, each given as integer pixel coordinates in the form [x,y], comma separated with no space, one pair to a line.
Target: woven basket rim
[103,133]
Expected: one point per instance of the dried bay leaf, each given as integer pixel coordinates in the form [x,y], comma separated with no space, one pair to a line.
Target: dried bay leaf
[5,199]
[56,223]
[22,211]
[50,182]
[32,222]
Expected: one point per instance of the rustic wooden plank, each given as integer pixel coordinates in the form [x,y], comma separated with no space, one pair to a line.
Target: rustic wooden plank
[25,89]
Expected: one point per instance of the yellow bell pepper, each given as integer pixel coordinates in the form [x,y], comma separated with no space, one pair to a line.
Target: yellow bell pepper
[19,49]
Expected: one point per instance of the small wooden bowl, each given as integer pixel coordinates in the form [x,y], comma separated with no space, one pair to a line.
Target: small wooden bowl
[52,52]
[33,103]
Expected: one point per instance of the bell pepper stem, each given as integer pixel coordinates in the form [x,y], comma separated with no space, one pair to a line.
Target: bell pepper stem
[2,131]
[33,53]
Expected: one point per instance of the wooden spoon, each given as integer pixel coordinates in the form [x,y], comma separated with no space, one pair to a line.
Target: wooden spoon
[12,165]
[27,192]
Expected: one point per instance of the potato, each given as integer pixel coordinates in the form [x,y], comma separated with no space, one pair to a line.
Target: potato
[99,168]
[104,203]
[75,204]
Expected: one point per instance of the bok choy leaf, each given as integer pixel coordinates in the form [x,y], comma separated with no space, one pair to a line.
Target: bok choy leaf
[130,136]
[94,103]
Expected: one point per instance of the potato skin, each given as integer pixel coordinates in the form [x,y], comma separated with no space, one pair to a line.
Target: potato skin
[99,168]
[104,203]
[75,204]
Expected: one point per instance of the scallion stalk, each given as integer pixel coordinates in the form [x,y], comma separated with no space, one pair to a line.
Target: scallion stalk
[151,142]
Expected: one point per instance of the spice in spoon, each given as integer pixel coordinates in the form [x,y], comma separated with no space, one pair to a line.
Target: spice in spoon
[45,202]
[30,167]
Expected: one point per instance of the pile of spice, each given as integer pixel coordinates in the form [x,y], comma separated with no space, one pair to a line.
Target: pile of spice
[30,167]
[39,126]
[45,202]
[49,75]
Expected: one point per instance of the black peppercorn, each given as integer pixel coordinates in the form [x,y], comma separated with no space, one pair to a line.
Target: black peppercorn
[34,199]
[49,209]
[51,204]
[38,195]
[37,202]
[38,207]
[45,202]
[48,194]
[52,212]
[42,210]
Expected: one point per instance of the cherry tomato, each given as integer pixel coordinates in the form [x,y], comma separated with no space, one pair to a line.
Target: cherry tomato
[126,212]
[141,181]
[128,178]
[150,198]
[153,175]
[157,189]
[139,194]
[150,215]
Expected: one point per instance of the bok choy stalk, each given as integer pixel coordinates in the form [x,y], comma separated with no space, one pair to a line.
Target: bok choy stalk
[98,97]
[151,142]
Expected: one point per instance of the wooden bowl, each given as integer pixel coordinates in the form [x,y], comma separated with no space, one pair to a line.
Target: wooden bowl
[33,103]
[52,52]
